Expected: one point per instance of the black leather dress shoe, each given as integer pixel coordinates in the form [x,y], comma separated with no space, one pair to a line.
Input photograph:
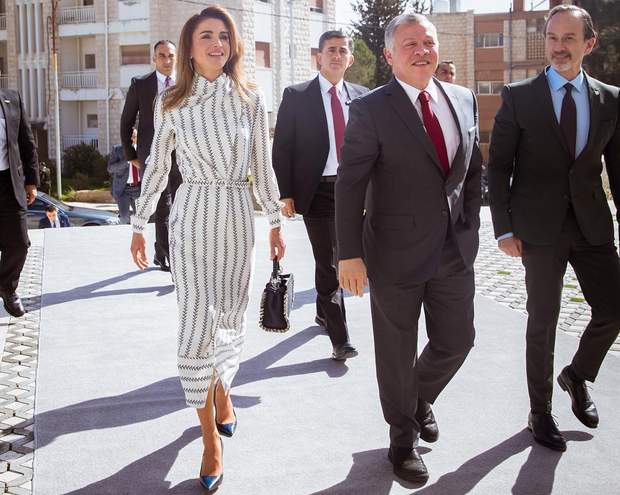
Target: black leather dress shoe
[320,321]
[12,304]
[343,352]
[429,431]
[162,264]
[408,464]
[545,431]
[582,405]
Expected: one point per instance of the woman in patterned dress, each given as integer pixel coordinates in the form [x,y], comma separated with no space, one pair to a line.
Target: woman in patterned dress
[217,124]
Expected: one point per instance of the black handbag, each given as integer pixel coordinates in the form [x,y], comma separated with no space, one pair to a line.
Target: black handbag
[277,301]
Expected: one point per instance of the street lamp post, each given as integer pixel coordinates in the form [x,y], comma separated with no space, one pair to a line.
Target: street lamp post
[56,99]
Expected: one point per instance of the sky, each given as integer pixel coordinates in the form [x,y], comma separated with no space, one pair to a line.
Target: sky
[344,12]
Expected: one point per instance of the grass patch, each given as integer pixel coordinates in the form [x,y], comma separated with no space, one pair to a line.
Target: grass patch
[502,272]
[577,299]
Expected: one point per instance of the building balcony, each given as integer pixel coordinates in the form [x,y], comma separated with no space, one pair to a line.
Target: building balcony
[73,139]
[79,80]
[4,82]
[2,22]
[76,15]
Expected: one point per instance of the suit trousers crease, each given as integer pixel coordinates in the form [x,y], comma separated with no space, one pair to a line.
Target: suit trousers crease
[320,225]
[403,377]
[14,241]
[598,271]
[162,213]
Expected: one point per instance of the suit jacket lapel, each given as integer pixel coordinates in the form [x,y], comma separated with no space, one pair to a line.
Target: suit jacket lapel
[6,116]
[456,109]
[543,92]
[315,101]
[594,95]
[406,111]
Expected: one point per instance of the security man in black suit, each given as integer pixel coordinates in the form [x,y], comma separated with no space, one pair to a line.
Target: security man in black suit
[139,105]
[549,208]
[306,153]
[19,179]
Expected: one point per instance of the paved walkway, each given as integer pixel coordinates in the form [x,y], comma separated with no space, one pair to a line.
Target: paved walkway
[283,364]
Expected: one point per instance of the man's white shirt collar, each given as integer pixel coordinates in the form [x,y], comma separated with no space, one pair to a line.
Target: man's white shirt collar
[414,93]
[162,79]
[326,85]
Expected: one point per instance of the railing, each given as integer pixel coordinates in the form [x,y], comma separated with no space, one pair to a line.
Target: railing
[2,22]
[78,80]
[68,141]
[535,46]
[76,15]
[4,82]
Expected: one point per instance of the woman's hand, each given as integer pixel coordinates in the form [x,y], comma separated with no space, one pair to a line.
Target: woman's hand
[138,251]
[276,244]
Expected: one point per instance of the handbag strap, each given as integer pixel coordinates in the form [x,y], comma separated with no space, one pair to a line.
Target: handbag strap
[275,274]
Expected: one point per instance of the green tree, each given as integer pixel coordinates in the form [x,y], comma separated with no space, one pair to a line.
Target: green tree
[604,61]
[374,15]
[363,70]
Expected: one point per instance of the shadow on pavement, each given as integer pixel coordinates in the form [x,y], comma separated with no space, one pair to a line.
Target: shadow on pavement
[372,473]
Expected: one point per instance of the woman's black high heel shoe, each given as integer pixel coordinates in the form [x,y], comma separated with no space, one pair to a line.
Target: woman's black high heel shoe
[212,483]
[226,429]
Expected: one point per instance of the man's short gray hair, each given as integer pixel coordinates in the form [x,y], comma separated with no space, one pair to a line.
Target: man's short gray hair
[399,20]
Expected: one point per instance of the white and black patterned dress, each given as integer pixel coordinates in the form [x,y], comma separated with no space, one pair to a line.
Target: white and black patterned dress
[218,137]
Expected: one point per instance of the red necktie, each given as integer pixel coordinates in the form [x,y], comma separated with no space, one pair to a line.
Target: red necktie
[338,117]
[433,129]
[135,175]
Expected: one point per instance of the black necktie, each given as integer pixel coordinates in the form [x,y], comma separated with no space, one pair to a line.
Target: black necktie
[568,119]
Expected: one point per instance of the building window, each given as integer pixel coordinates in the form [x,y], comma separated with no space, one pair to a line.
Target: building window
[92,121]
[135,55]
[88,3]
[489,40]
[489,87]
[485,137]
[316,5]
[314,63]
[263,55]
[89,61]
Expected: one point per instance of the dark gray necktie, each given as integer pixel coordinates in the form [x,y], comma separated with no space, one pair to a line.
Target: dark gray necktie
[568,119]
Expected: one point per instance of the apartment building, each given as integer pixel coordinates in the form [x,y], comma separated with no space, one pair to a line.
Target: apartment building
[102,44]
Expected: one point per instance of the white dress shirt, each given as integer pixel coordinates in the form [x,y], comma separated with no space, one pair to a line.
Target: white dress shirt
[441,108]
[331,166]
[161,81]
[4,149]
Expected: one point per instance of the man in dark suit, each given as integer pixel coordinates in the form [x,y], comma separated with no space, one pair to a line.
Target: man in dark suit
[53,219]
[19,179]
[306,153]
[549,207]
[411,157]
[125,184]
[139,105]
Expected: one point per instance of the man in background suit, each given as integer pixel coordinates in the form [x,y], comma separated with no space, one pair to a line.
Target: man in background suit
[53,219]
[411,157]
[125,184]
[139,105]
[306,153]
[19,179]
[549,208]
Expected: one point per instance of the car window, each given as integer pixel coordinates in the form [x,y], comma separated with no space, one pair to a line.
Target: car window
[59,204]
[38,205]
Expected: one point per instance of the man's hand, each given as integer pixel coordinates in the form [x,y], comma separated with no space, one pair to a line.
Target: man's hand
[276,244]
[511,246]
[288,210]
[138,251]
[352,276]
[31,193]
[135,163]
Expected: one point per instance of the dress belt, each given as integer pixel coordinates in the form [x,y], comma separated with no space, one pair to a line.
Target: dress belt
[228,184]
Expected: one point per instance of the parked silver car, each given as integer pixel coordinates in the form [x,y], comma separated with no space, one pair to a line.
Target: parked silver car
[78,217]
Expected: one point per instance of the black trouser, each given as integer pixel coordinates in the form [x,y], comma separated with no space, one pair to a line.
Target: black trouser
[320,225]
[162,213]
[598,271]
[14,242]
[448,301]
